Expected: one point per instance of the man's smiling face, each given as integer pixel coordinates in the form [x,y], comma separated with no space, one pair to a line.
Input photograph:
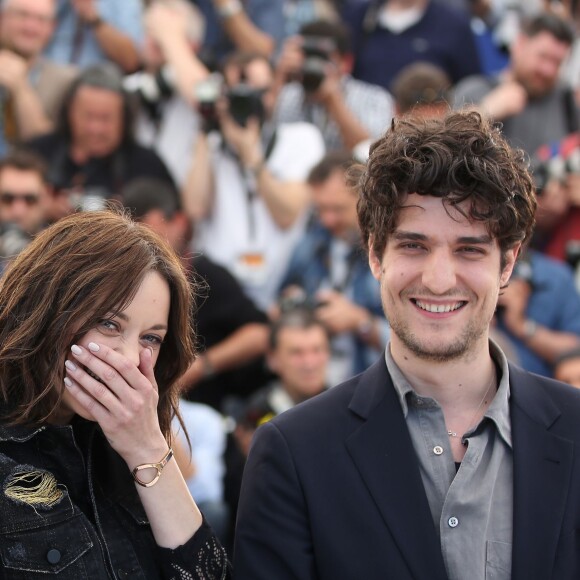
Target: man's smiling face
[440,278]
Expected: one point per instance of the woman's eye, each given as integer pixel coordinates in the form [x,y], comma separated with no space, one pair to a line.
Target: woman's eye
[108,325]
[153,340]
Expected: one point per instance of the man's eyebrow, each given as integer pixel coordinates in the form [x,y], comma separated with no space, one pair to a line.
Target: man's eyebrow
[402,235]
[485,239]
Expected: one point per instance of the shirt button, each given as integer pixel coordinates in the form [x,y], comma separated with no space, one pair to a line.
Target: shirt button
[453,522]
[438,450]
[53,556]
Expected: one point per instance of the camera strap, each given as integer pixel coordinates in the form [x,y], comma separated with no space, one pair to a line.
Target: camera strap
[340,284]
[250,184]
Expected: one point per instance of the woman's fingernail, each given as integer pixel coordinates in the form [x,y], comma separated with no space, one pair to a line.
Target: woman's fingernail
[69,365]
[76,349]
[94,346]
[67,382]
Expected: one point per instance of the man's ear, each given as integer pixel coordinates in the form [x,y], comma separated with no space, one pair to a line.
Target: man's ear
[346,63]
[374,262]
[511,257]
[184,224]
[156,219]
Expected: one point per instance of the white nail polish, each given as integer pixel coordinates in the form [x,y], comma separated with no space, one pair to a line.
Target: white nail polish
[69,365]
[67,382]
[94,347]
[76,349]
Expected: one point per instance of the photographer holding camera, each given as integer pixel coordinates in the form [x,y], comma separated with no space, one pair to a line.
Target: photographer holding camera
[557,174]
[31,85]
[167,118]
[540,312]
[93,153]
[246,191]
[328,272]
[28,203]
[313,77]
[528,97]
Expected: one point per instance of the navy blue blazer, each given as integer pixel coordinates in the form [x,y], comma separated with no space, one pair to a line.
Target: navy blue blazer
[332,488]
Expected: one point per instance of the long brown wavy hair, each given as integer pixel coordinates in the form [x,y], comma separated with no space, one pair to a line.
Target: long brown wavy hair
[69,277]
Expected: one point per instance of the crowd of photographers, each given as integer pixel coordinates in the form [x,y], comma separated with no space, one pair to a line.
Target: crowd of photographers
[229,126]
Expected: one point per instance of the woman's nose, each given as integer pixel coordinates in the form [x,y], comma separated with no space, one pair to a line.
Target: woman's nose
[130,350]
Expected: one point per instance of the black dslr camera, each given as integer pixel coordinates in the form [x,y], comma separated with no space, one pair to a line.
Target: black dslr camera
[207,94]
[296,298]
[545,171]
[556,161]
[150,90]
[317,54]
[243,102]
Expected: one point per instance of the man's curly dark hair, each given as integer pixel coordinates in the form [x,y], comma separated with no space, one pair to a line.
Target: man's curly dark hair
[460,157]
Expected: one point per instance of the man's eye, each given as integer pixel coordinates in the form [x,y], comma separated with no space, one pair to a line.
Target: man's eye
[472,250]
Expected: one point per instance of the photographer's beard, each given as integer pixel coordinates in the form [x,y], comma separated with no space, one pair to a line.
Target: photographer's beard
[537,86]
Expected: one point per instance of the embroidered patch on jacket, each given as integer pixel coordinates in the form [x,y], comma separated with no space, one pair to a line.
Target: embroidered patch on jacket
[33,487]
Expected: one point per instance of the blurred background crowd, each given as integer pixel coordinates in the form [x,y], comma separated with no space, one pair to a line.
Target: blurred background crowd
[229,126]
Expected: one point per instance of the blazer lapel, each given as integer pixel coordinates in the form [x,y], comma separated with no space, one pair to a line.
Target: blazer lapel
[542,474]
[383,453]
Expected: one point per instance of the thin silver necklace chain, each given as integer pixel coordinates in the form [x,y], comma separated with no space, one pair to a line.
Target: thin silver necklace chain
[472,420]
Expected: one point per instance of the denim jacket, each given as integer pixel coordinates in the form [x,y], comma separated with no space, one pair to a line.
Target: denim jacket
[69,509]
[309,268]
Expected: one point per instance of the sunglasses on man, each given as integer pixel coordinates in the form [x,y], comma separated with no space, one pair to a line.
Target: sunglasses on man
[8,198]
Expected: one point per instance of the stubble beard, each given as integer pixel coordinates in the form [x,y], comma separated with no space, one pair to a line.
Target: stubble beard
[442,350]
[432,348]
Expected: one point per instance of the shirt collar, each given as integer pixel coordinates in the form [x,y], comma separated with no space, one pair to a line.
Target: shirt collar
[497,412]
[19,433]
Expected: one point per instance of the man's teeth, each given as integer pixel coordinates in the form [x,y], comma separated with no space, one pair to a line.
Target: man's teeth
[438,308]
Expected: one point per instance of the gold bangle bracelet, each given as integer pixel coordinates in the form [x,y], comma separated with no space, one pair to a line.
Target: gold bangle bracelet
[158,466]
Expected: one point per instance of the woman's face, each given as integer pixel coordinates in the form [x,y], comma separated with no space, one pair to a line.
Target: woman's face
[142,324]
